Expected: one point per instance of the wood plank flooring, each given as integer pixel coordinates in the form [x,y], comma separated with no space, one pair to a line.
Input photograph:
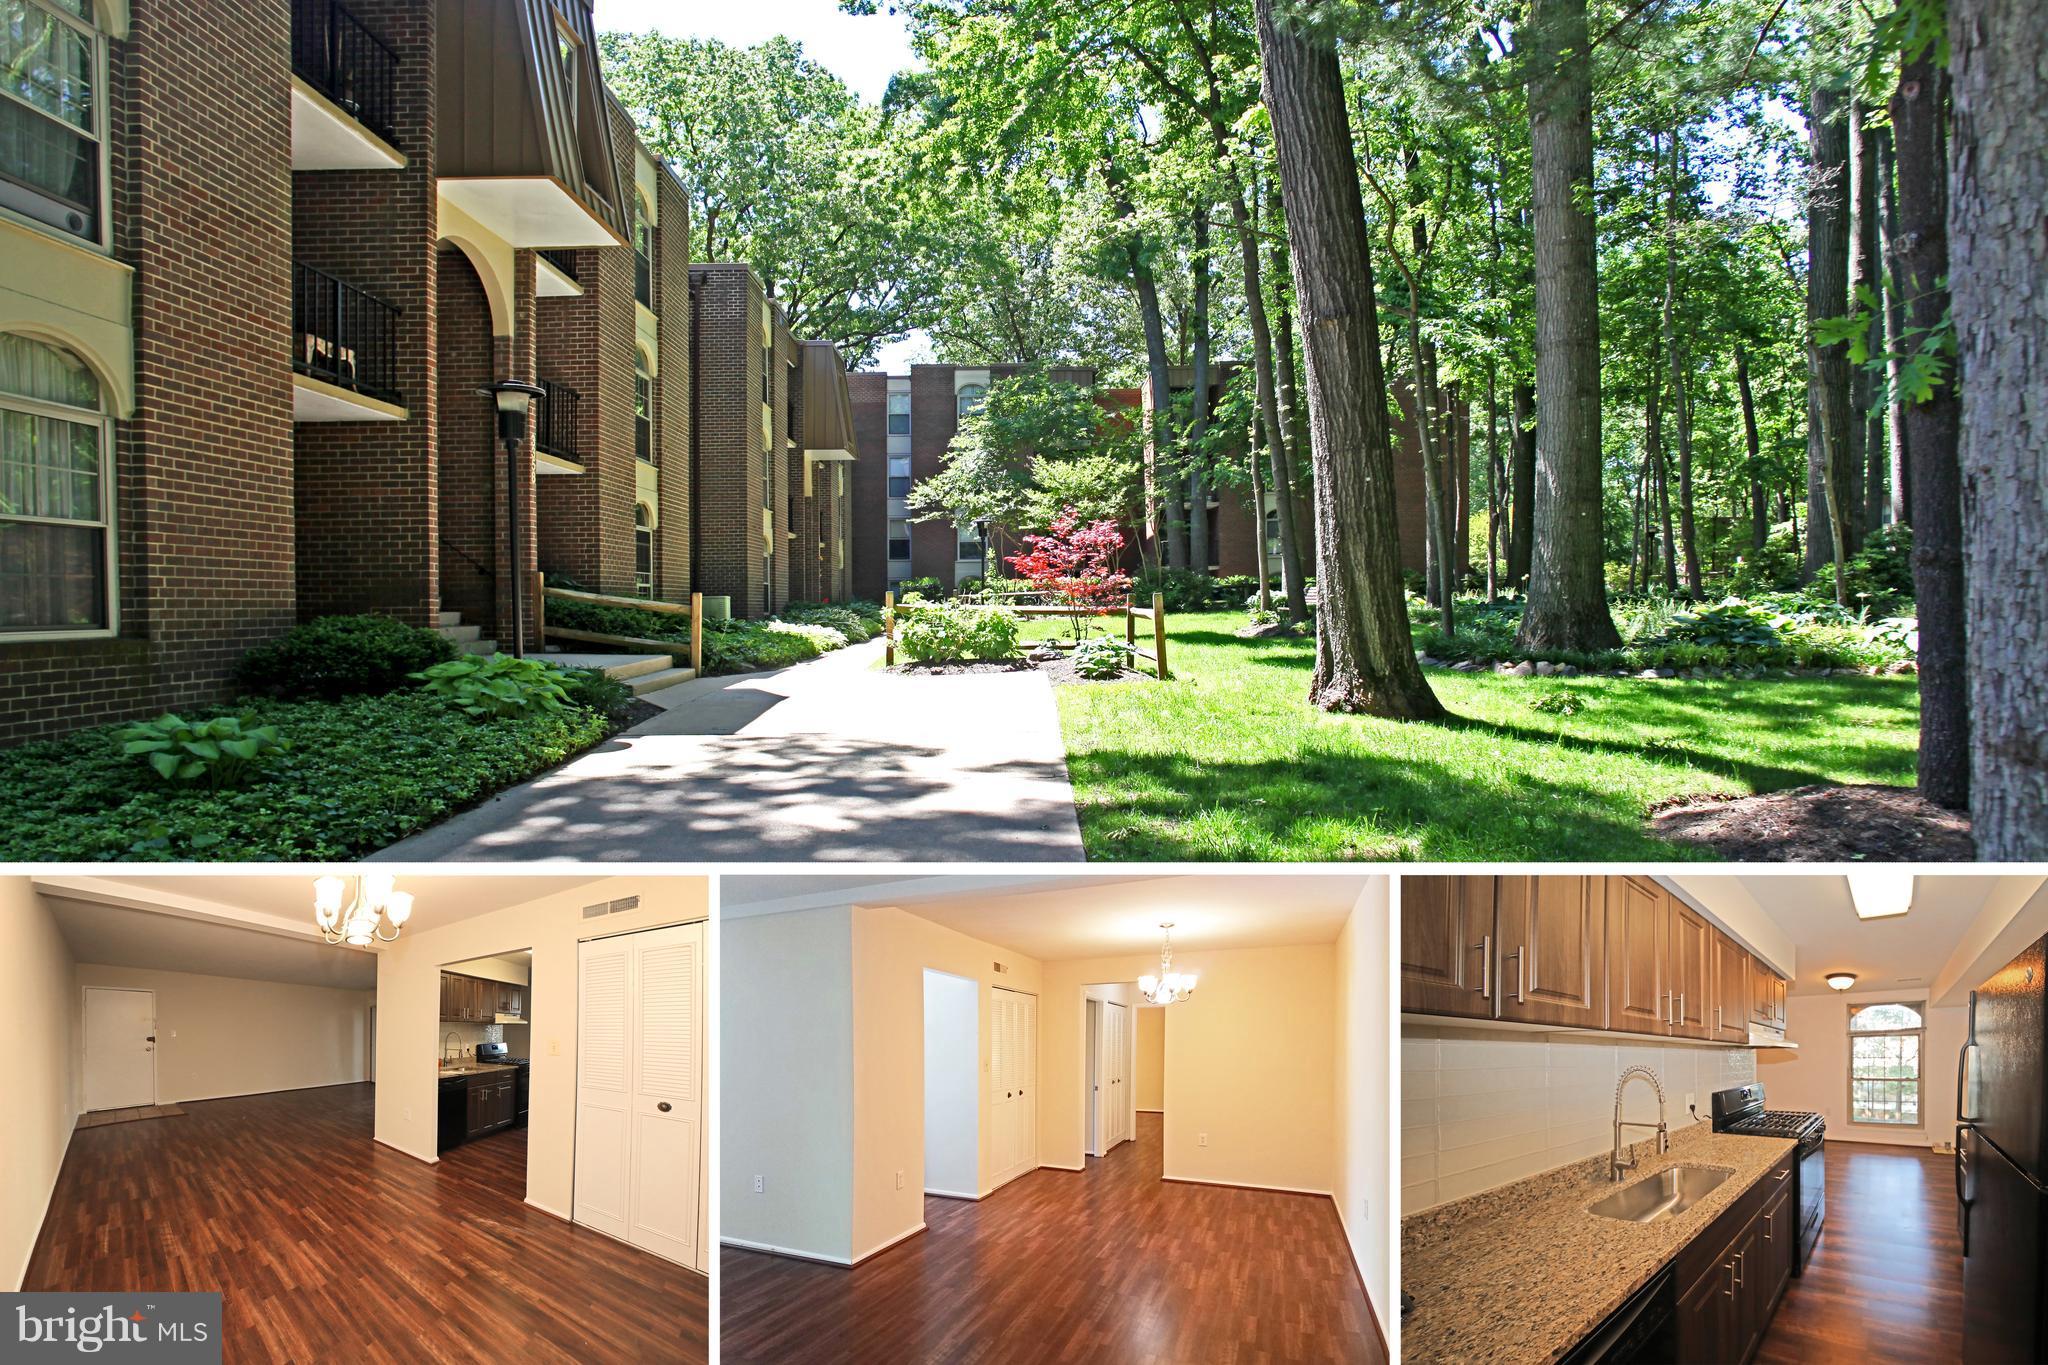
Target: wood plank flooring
[143,1111]
[1110,1265]
[1886,1279]
[327,1247]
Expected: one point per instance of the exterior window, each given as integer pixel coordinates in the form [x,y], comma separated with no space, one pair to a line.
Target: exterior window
[51,118]
[970,545]
[899,476]
[643,254]
[899,539]
[968,398]
[1884,1064]
[768,374]
[899,414]
[1272,532]
[56,537]
[643,410]
[643,552]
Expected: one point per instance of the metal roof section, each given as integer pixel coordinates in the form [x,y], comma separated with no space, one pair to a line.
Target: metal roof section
[828,403]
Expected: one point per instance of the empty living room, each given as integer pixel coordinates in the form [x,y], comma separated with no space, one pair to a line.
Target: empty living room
[1029,1117]
[351,1117]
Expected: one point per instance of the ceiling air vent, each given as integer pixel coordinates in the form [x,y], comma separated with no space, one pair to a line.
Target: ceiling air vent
[617,907]
[1000,969]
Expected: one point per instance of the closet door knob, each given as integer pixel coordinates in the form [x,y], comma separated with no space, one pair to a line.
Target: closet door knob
[664,1106]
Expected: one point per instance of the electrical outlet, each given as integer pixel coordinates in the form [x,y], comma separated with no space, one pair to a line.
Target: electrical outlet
[899,1180]
[1202,1140]
[757,1184]
[554,1047]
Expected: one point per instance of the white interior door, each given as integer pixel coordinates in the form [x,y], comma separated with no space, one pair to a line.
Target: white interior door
[1013,1075]
[1027,1083]
[120,1048]
[1094,1009]
[640,1091]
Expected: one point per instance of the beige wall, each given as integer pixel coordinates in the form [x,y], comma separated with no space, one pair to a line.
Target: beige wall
[36,989]
[218,1036]
[1485,1107]
[1363,1115]
[785,1104]
[409,1009]
[891,950]
[1150,1077]
[1252,1062]
[1816,1077]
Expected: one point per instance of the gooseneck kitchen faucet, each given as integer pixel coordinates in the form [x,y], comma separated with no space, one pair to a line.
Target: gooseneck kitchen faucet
[1616,1167]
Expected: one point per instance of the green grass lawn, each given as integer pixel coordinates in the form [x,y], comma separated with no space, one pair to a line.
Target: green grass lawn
[1227,760]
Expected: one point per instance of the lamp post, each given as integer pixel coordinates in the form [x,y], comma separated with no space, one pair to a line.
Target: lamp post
[513,399]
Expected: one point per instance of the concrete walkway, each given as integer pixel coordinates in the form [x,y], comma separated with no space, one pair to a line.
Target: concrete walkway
[830,761]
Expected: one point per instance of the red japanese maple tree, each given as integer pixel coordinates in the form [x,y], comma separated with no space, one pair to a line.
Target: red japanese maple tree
[1078,566]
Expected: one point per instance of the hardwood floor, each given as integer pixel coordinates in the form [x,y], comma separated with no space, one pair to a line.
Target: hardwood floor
[1886,1278]
[145,1111]
[327,1247]
[1109,1265]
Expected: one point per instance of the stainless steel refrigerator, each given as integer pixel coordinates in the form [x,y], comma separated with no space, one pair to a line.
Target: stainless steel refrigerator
[2002,1165]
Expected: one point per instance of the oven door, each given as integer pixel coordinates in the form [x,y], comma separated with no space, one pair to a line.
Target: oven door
[1813,1199]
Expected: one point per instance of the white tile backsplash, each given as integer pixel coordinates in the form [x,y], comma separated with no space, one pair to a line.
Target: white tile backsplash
[1485,1107]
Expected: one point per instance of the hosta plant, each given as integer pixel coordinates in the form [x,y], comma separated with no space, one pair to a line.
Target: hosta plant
[1102,659]
[226,751]
[491,686]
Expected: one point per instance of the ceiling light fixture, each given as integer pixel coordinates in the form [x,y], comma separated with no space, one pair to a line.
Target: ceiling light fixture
[358,919]
[1879,892]
[1841,981]
[1169,987]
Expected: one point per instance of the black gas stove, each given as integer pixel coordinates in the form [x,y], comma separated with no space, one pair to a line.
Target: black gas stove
[1741,1111]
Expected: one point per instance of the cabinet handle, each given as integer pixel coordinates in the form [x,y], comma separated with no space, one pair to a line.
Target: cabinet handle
[1717,1018]
[1680,1019]
[1781,1175]
[1520,996]
[1739,1267]
[1485,950]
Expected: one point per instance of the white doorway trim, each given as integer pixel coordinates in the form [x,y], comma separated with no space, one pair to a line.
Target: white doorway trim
[125,1100]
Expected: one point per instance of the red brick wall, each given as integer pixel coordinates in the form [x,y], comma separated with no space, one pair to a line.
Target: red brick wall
[199,147]
[367,519]
[574,334]
[470,464]
[727,427]
[868,487]
[672,415]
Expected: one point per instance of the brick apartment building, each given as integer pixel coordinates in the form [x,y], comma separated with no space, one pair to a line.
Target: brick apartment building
[903,424]
[256,262]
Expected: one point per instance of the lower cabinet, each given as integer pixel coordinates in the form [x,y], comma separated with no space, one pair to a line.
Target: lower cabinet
[1732,1276]
[473,1106]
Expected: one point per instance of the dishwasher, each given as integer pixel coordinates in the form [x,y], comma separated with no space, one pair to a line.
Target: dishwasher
[1640,1332]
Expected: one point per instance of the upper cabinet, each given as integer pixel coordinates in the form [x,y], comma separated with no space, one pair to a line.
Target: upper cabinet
[1615,953]
[473,1000]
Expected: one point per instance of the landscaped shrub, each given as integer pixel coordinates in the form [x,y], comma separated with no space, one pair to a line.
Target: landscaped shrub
[341,656]
[1734,625]
[850,620]
[942,632]
[598,692]
[923,587]
[746,646]
[361,773]
[1102,659]
[1186,590]
[226,751]
[733,646]
[496,685]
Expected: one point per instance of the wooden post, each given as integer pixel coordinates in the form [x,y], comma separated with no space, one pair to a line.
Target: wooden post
[889,629]
[540,606]
[1159,632]
[1130,624]
[697,633]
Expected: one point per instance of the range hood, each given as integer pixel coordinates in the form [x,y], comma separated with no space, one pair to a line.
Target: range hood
[503,1018]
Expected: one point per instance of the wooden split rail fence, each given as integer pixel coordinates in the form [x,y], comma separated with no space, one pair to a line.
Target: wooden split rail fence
[1131,613]
[695,611]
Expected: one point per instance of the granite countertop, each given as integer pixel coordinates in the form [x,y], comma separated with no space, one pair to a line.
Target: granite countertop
[1524,1272]
[474,1069]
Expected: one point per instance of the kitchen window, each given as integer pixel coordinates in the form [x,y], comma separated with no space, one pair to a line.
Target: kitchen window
[1884,1063]
[52,118]
[56,536]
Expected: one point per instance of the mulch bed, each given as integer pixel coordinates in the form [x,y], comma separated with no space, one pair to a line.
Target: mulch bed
[637,710]
[1820,823]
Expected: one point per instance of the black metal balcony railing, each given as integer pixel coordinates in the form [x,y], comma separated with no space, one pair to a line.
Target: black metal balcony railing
[564,261]
[343,335]
[554,420]
[336,55]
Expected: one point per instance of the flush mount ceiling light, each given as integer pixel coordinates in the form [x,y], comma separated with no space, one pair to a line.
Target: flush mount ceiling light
[358,918]
[1879,892]
[1841,981]
[1169,987]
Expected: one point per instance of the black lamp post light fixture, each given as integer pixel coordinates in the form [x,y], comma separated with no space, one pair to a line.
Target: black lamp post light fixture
[513,399]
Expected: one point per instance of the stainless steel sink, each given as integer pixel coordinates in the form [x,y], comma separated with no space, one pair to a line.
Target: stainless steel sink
[1672,1190]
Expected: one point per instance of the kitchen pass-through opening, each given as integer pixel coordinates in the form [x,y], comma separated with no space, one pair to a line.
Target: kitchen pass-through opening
[485,1065]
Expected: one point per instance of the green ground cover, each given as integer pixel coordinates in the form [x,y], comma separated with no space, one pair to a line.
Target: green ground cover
[1227,760]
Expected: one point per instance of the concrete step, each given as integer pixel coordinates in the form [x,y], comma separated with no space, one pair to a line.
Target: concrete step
[624,667]
[478,646]
[461,634]
[450,618]
[644,683]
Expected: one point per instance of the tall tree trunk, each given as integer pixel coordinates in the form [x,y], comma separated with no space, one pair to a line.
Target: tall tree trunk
[1660,465]
[1161,476]
[1866,275]
[1198,411]
[1269,401]
[1827,297]
[1256,460]
[1894,332]
[1998,187]
[1522,448]
[1759,503]
[1365,659]
[1919,109]
[1567,581]
[1286,364]
[1674,354]
[1495,494]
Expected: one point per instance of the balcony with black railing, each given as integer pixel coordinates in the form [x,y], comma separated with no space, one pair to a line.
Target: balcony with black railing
[334,53]
[343,336]
[554,420]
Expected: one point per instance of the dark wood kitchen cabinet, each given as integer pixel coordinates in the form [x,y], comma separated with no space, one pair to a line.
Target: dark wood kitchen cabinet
[492,1102]
[1447,946]
[511,999]
[1551,960]
[1767,997]
[1732,1275]
[473,1000]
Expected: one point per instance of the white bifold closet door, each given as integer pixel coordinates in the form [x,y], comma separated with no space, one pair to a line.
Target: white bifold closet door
[1114,1102]
[1013,1084]
[640,1089]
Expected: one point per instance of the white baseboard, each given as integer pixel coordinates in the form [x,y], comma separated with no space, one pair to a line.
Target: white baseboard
[248,1094]
[883,1246]
[1143,1110]
[949,1194]
[49,1198]
[794,1253]
[433,1160]
[1052,1166]
[1245,1185]
[1350,1247]
[550,1211]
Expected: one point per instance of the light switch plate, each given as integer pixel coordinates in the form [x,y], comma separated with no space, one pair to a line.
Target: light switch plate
[757,1184]
[1203,1140]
